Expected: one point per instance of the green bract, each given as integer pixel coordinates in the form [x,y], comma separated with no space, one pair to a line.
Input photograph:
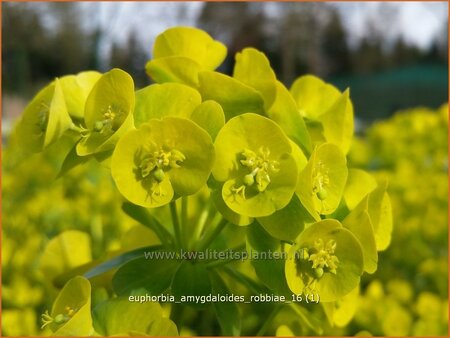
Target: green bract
[168,99]
[321,184]
[255,163]
[76,89]
[253,69]
[71,312]
[180,53]
[160,159]
[234,96]
[108,113]
[44,120]
[326,259]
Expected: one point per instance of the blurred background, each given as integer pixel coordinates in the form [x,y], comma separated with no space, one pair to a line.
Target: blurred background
[392,55]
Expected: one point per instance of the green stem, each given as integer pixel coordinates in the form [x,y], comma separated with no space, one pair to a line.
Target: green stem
[269,320]
[211,236]
[184,221]
[202,221]
[77,129]
[176,223]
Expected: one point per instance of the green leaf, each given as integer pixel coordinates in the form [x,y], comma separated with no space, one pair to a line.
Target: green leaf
[101,267]
[284,111]
[359,223]
[234,96]
[64,252]
[73,302]
[253,68]
[337,122]
[321,184]
[287,223]
[347,252]
[109,112]
[178,69]
[168,99]
[191,280]
[192,43]
[210,116]
[380,211]
[119,316]
[161,158]
[153,275]
[227,313]
[269,266]
[359,184]
[76,89]
[44,120]
[313,96]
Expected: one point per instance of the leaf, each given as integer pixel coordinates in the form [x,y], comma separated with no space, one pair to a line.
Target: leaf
[154,275]
[160,100]
[284,111]
[227,313]
[268,267]
[235,97]
[253,69]
[119,260]
[192,43]
[337,122]
[210,116]
[287,223]
[178,69]
[76,297]
[76,89]
[110,104]
[191,279]
[119,316]
[64,252]
[313,96]
[326,172]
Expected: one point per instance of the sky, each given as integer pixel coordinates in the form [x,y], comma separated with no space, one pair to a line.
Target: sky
[417,22]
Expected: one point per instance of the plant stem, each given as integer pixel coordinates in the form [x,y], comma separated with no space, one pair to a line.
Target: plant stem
[269,320]
[202,221]
[176,224]
[184,220]
[211,236]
